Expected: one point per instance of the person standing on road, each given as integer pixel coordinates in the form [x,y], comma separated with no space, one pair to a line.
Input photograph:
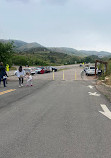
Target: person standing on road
[82,74]
[3,74]
[20,75]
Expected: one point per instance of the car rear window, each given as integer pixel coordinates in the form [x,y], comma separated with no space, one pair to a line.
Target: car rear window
[92,67]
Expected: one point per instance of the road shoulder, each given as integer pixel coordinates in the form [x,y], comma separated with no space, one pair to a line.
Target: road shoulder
[105,90]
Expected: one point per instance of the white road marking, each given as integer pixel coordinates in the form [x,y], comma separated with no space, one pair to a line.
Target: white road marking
[106,112]
[94,94]
[91,87]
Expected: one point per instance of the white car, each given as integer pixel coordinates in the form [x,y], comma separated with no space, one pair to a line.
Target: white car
[37,70]
[30,70]
[91,71]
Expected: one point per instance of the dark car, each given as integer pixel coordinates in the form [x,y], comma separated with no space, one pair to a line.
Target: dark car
[48,69]
[54,68]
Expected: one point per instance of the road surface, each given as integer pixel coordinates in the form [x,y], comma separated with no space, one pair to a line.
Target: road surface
[54,119]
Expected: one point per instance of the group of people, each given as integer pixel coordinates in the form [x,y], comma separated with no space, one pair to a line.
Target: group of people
[20,74]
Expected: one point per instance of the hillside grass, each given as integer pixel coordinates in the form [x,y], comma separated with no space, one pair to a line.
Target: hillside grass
[44,58]
[106,76]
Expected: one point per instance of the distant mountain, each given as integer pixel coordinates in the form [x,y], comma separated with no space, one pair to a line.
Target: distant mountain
[69,51]
[82,53]
[22,46]
[17,43]
[100,54]
[29,46]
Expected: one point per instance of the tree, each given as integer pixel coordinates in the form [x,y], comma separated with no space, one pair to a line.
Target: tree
[6,52]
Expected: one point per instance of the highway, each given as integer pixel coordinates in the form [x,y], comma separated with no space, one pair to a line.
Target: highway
[54,119]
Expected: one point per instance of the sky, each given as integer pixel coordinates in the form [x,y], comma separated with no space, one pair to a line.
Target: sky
[78,24]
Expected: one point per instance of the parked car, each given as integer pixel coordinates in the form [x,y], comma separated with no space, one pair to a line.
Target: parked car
[91,70]
[40,70]
[30,70]
[54,68]
[44,68]
[37,70]
[48,69]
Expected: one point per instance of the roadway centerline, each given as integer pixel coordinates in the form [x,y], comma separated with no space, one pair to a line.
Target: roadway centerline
[7,91]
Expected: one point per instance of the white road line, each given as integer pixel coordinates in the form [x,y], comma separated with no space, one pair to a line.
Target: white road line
[106,112]
[91,87]
[94,94]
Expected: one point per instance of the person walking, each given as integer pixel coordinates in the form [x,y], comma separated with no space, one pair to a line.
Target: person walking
[82,74]
[3,74]
[20,75]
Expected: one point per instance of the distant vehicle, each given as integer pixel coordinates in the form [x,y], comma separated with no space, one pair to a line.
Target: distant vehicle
[44,68]
[54,68]
[91,70]
[40,70]
[30,70]
[48,69]
[37,70]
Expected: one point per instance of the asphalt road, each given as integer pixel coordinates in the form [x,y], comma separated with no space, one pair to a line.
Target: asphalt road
[54,119]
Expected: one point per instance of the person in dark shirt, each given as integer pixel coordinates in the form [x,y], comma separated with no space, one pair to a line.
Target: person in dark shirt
[3,74]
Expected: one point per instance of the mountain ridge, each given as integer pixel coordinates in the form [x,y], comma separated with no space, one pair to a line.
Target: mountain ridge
[21,46]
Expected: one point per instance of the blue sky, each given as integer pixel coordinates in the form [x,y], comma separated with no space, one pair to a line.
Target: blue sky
[79,24]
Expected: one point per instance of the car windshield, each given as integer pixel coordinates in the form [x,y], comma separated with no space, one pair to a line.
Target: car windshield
[42,67]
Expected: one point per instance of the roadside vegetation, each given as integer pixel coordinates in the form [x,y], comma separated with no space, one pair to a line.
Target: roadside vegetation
[6,53]
[106,76]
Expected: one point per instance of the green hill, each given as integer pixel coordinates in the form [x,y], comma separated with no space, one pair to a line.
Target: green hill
[34,48]
[22,46]
[81,53]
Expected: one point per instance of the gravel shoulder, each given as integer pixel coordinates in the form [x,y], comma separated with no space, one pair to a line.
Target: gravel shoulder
[104,89]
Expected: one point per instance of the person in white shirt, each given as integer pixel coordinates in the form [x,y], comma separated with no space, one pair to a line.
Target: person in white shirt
[29,79]
[20,75]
